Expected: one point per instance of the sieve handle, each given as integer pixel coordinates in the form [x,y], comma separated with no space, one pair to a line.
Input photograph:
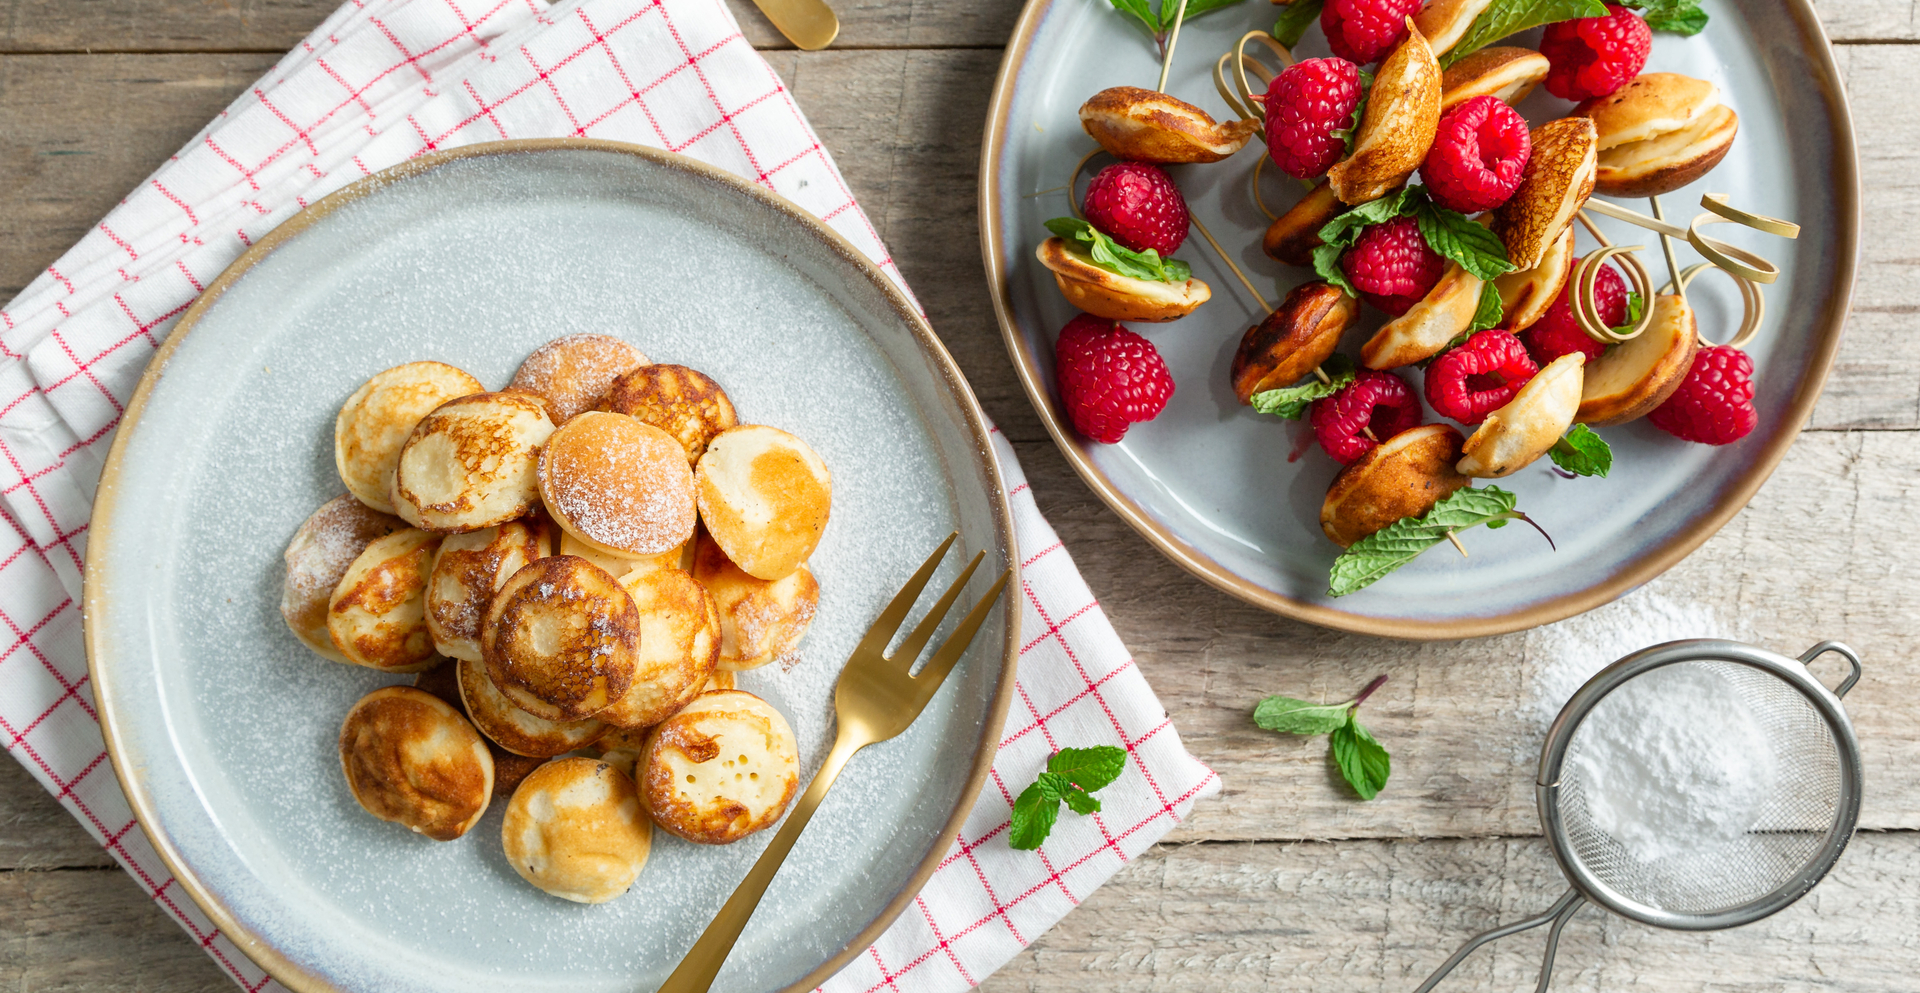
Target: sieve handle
[1853,659]
[1557,914]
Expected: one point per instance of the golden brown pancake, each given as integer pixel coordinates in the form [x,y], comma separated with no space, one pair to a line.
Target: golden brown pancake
[472,463]
[379,417]
[377,616]
[573,374]
[514,729]
[683,402]
[722,768]
[561,639]
[412,759]
[318,556]
[443,681]
[679,647]
[759,620]
[575,829]
[466,572]
[764,496]
[618,485]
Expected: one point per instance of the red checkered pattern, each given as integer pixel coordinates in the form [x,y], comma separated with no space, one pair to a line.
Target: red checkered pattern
[379,82]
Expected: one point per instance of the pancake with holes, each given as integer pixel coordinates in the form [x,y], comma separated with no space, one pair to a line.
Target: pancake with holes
[574,374]
[683,402]
[764,496]
[618,485]
[759,620]
[412,759]
[679,647]
[317,558]
[561,638]
[376,421]
[377,616]
[722,768]
[467,571]
[472,463]
[576,830]
[443,681]
[514,729]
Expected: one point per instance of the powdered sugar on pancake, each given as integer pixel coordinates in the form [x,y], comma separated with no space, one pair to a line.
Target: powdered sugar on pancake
[574,373]
[616,482]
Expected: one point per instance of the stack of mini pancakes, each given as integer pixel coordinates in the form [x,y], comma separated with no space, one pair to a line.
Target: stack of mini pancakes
[575,566]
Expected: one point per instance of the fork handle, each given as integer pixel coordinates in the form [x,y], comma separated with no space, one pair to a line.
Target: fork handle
[695,972]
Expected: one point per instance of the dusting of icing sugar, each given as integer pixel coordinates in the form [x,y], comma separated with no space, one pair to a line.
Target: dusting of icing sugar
[619,483]
[574,373]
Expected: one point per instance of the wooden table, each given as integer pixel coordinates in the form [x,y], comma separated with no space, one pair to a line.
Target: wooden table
[1285,881]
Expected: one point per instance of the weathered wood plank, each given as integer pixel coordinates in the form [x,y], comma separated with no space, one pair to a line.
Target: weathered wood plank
[35,831]
[95,929]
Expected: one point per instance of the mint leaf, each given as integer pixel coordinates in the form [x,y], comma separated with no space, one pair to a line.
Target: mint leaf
[1081,803]
[1636,308]
[1295,19]
[1454,235]
[1376,555]
[1363,762]
[1678,16]
[1347,133]
[1291,402]
[1195,8]
[1505,17]
[1089,768]
[1492,309]
[1141,12]
[1345,229]
[1053,785]
[1582,452]
[1326,262]
[1033,816]
[1289,716]
[1116,258]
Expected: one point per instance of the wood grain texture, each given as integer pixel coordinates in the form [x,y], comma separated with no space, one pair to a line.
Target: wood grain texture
[87,930]
[36,832]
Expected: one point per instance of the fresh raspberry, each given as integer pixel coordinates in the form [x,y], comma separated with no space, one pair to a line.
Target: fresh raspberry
[1110,378]
[1391,265]
[1714,404]
[1137,205]
[1593,56]
[1379,404]
[1479,376]
[1364,31]
[1556,333]
[1306,104]
[1477,156]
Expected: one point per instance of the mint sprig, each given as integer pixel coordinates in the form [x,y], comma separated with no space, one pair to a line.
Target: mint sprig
[1071,777]
[1291,402]
[1582,453]
[1295,19]
[1115,257]
[1683,17]
[1491,311]
[1362,760]
[1366,561]
[1450,233]
[1505,17]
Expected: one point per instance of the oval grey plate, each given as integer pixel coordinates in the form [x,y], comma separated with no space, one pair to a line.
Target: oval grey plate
[222,727]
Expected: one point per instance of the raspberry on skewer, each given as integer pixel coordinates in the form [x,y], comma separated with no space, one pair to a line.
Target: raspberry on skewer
[1714,404]
[1392,266]
[1594,56]
[1374,407]
[1137,205]
[1305,105]
[1109,377]
[1364,31]
[1478,377]
[1478,156]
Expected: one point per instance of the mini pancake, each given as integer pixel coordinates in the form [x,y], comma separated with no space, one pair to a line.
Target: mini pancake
[467,571]
[411,758]
[443,681]
[1401,477]
[377,616]
[722,768]
[1105,293]
[512,729]
[575,830]
[764,497]
[679,647]
[318,556]
[1658,133]
[561,639]
[683,402]
[572,374]
[616,565]
[759,620]
[472,463]
[619,485]
[1149,126]
[377,419]
[621,747]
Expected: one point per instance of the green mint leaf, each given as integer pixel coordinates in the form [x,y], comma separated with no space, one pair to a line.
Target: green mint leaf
[1505,17]
[1452,234]
[1636,308]
[1492,309]
[1363,762]
[1347,133]
[1195,8]
[1089,768]
[1678,16]
[1053,785]
[1115,257]
[1142,13]
[1289,716]
[1326,262]
[1345,229]
[1033,815]
[1295,19]
[1582,453]
[1081,803]
[1291,402]
[1397,544]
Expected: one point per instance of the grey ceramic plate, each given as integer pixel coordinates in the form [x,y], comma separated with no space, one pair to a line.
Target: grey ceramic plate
[1208,482]
[222,727]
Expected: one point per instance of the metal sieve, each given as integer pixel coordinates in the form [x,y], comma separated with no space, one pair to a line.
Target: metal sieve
[1798,831]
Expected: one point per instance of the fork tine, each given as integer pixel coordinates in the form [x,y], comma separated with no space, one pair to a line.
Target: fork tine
[875,643]
[956,644]
[910,648]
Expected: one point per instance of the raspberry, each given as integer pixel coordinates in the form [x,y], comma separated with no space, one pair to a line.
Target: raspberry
[1376,403]
[1306,103]
[1137,205]
[1479,376]
[1477,156]
[1714,404]
[1364,31]
[1593,56]
[1110,378]
[1392,266]
[1556,333]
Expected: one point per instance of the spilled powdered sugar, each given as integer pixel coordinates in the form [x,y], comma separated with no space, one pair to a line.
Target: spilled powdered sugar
[1567,654]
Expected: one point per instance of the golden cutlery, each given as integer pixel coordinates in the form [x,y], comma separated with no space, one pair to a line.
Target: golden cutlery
[877,697]
[811,24]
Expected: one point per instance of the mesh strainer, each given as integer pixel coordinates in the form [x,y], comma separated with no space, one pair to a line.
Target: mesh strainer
[1799,826]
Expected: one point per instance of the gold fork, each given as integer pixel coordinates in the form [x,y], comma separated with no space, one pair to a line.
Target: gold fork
[877,697]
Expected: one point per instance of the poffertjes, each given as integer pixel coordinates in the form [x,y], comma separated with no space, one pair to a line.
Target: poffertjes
[575,829]
[573,374]
[472,463]
[619,485]
[759,620]
[764,497]
[467,571]
[512,728]
[679,647]
[443,681]
[561,639]
[683,402]
[412,759]
[722,768]
[377,419]
[318,556]
[377,616]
